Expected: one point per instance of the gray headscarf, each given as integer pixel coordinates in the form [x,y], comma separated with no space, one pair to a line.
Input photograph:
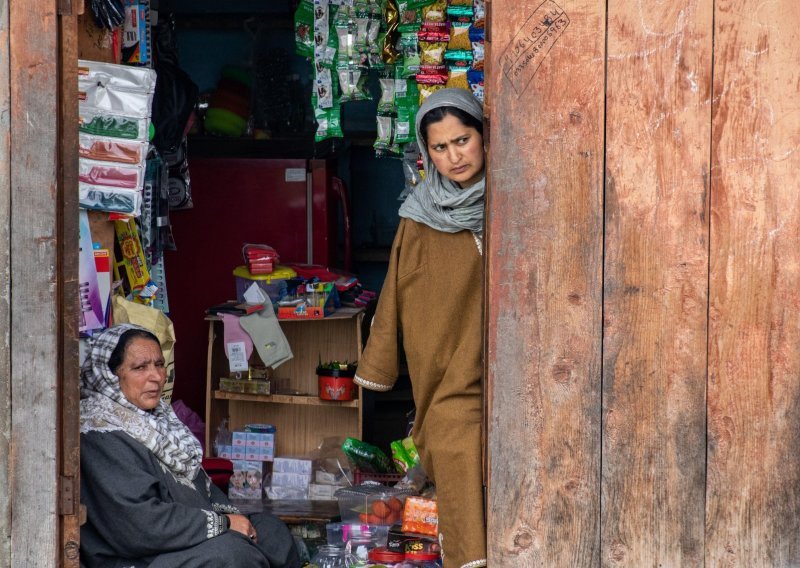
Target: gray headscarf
[104,408]
[437,201]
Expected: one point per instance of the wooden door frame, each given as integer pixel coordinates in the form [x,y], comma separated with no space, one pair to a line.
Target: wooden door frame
[38,296]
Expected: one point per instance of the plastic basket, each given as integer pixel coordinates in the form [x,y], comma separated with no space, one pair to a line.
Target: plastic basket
[360,477]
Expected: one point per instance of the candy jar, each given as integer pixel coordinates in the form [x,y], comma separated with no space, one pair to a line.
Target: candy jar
[329,557]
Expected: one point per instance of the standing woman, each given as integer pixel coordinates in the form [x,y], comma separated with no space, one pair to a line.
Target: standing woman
[433,296]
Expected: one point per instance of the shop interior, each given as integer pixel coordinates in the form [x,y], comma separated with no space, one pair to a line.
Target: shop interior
[259,197]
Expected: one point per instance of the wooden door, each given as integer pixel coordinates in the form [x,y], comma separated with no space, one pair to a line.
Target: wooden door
[642,283]
[70,510]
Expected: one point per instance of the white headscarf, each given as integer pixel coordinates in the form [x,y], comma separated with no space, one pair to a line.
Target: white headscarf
[437,201]
[104,408]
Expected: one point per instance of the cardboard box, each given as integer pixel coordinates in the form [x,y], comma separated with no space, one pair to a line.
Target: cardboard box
[247,481]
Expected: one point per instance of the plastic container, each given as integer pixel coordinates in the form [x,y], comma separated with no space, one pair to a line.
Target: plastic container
[421,560]
[386,558]
[336,384]
[274,285]
[372,504]
[340,533]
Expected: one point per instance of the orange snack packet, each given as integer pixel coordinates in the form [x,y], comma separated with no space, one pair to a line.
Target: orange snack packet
[421,516]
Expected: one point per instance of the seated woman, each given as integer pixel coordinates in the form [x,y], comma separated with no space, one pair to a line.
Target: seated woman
[148,501]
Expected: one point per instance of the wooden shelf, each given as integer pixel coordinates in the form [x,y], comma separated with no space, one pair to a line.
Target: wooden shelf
[283,399]
[302,421]
[340,314]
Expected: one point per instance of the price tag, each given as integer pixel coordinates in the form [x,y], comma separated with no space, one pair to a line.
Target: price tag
[237,357]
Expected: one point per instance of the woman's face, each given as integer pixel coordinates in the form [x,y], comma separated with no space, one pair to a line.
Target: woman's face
[456,150]
[142,373]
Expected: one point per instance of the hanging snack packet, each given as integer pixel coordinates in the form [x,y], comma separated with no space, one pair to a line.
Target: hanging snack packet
[110,174]
[479,13]
[303,26]
[431,53]
[432,75]
[475,80]
[353,83]
[457,79]
[407,107]
[391,19]
[329,123]
[409,48]
[476,38]
[427,90]
[459,36]
[386,103]
[384,138]
[435,12]
[410,18]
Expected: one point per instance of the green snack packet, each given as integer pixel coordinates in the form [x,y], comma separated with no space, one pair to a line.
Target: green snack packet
[366,457]
[411,449]
[410,18]
[329,120]
[407,106]
[304,28]
[409,49]
[401,459]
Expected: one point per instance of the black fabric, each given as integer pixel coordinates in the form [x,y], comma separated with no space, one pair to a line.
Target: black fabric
[138,515]
[173,104]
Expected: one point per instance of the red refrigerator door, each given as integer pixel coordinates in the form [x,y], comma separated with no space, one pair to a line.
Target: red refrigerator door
[236,201]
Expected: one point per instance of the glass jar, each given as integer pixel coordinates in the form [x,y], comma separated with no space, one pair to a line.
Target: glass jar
[385,558]
[329,557]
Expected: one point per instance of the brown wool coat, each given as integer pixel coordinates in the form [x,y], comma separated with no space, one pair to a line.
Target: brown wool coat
[433,296]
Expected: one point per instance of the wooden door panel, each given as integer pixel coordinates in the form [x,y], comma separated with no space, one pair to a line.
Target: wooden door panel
[655,287]
[544,259]
[753,509]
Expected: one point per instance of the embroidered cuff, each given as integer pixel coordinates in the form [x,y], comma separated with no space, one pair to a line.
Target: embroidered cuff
[216,524]
[475,564]
[225,508]
[370,385]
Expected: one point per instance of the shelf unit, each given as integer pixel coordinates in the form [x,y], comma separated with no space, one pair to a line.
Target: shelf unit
[302,420]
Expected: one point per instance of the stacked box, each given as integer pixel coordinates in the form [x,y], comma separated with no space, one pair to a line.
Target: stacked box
[247,481]
[250,446]
[290,478]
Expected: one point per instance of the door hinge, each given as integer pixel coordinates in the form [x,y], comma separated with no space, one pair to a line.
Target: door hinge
[67,496]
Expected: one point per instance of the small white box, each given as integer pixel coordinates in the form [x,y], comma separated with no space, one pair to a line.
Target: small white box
[283,479]
[292,465]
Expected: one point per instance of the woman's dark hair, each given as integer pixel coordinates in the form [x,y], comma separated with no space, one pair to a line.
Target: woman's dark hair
[125,339]
[439,113]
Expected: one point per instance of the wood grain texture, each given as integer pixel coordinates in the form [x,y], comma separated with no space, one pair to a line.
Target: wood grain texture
[753,503]
[655,283]
[544,260]
[5,293]
[69,383]
[34,301]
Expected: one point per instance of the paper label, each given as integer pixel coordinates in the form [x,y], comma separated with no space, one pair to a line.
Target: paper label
[295,174]
[237,357]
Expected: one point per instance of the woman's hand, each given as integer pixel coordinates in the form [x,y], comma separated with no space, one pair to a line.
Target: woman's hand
[240,523]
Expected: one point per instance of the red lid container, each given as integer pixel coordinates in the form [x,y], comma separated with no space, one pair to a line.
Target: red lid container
[385,555]
[420,556]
